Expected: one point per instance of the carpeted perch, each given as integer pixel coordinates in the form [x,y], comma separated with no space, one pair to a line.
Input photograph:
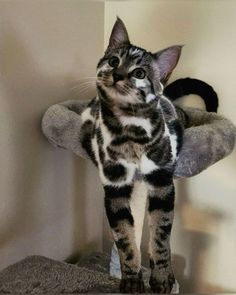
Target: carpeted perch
[208,138]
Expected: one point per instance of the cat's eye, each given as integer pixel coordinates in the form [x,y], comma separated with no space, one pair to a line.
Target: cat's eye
[114,61]
[139,73]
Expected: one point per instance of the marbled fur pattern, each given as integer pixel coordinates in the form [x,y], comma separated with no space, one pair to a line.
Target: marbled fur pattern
[131,128]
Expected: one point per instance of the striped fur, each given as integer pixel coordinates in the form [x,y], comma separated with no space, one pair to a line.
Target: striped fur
[131,129]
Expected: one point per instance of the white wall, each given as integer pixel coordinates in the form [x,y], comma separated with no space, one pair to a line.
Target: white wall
[204,234]
[47,203]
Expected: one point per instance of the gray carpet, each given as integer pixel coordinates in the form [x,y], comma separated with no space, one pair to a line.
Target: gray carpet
[38,274]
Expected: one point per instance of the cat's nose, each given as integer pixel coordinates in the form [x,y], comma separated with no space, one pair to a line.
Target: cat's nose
[117,77]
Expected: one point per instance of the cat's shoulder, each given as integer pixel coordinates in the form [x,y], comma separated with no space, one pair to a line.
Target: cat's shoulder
[168,108]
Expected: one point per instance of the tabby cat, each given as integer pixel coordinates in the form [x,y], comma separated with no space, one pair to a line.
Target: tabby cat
[132,133]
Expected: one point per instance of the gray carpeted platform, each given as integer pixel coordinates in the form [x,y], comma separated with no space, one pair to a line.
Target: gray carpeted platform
[208,138]
[38,274]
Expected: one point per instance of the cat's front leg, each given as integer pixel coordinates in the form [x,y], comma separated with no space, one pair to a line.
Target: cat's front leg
[118,186]
[160,208]
[160,216]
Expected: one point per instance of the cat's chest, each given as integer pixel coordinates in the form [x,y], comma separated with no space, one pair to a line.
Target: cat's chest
[135,137]
[137,125]
[138,137]
[130,151]
[136,134]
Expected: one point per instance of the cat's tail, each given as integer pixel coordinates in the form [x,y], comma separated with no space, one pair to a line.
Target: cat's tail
[188,86]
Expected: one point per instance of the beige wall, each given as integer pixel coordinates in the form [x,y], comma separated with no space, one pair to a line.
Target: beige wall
[47,203]
[204,235]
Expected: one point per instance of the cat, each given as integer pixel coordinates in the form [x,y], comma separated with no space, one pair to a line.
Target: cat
[133,134]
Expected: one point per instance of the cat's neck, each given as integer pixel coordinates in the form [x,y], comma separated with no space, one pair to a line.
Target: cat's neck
[127,109]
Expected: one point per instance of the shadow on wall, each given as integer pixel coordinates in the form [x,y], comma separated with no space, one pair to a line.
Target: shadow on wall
[28,93]
[199,227]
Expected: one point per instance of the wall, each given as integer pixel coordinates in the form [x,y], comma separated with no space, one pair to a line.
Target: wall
[47,201]
[46,197]
[204,234]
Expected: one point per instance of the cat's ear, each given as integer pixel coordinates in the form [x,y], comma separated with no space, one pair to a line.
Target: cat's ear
[167,60]
[119,35]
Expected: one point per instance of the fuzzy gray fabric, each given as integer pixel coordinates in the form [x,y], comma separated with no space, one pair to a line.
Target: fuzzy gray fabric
[38,274]
[209,139]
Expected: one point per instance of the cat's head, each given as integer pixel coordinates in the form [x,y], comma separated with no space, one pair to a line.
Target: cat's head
[129,74]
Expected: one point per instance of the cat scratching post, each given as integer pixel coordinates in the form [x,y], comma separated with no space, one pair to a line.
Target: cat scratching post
[208,139]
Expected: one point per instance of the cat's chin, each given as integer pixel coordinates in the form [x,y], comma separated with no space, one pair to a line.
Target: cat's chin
[119,96]
[117,93]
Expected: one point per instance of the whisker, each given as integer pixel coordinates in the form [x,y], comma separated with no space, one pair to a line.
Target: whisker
[83,92]
[83,88]
[86,78]
[78,87]
[88,83]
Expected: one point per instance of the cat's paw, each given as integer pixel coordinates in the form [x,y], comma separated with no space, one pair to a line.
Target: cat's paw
[132,285]
[162,284]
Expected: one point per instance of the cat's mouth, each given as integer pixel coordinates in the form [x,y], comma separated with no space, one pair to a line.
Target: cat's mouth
[118,87]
